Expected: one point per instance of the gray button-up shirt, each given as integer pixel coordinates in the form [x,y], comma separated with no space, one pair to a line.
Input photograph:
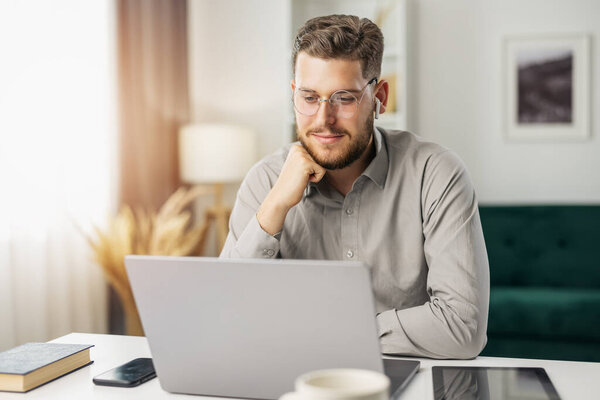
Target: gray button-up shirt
[412,216]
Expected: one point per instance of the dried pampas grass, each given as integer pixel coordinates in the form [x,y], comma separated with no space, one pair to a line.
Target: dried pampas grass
[167,232]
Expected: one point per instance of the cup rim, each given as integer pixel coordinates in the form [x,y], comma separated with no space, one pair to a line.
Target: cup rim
[380,382]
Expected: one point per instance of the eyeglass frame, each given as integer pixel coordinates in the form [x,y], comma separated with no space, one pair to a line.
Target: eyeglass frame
[358,101]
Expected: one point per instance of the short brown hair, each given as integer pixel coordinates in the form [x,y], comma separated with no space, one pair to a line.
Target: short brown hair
[342,36]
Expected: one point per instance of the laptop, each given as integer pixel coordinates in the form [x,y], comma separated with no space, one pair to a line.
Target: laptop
[247,328]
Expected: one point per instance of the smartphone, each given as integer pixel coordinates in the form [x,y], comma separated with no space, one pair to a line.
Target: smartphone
[130,374]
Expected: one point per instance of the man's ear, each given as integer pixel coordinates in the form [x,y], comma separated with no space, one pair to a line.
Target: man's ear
[293,84]
[381,92]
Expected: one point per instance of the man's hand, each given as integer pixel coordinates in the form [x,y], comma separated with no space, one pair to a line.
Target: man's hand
[299,169]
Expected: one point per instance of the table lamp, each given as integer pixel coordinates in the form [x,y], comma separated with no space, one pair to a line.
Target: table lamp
[212,155]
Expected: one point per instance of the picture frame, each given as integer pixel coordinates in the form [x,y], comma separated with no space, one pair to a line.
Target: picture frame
[547,87]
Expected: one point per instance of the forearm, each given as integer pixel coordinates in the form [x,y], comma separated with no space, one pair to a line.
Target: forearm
[271,215]
[246,237]
[260,236]
[433,330]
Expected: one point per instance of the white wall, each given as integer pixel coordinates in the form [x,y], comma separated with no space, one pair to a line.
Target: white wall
[457,96]
[238,65]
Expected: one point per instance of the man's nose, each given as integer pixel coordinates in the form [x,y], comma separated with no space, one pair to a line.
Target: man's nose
[326,114]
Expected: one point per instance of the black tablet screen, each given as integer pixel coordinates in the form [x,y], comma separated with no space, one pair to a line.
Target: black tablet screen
[492,383]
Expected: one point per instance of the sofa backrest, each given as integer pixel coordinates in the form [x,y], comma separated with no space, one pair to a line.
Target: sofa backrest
[556,246]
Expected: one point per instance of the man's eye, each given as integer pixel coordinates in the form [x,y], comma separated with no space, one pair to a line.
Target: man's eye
[310,99]
[345,100]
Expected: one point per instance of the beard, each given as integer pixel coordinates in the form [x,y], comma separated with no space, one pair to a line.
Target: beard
[344,157]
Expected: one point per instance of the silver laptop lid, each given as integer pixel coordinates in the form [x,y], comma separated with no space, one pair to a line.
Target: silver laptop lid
[247,328]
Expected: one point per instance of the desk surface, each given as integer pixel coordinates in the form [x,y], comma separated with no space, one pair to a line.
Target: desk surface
[573,380]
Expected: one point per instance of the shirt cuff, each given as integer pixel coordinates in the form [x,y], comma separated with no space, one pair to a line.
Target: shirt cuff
[387,321]
[254,242]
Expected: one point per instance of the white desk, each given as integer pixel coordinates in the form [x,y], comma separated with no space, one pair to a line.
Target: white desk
[573,380]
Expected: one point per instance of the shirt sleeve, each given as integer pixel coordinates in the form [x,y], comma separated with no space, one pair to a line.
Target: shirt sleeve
[246,238]
[453,323]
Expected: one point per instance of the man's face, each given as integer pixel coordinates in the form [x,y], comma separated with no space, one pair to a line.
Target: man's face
[333,142]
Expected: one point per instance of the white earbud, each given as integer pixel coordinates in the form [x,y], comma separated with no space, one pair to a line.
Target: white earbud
[377,107]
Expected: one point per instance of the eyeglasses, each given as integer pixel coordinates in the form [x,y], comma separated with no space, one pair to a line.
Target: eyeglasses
[343,102]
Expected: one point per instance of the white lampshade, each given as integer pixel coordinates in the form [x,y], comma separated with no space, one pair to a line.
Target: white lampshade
[210,153]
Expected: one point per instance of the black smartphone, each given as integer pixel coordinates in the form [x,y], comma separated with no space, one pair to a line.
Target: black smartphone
[130,374]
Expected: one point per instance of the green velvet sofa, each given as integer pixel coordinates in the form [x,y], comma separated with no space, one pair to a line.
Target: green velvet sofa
[545,281]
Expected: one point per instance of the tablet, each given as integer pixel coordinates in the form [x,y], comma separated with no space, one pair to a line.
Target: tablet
[492,383]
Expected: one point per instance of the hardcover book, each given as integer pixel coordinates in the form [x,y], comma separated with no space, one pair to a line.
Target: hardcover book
[30,365]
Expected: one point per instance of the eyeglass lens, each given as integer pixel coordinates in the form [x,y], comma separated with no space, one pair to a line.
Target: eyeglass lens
[344,103]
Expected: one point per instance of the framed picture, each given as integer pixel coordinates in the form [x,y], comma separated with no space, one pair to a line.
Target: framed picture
[546,82]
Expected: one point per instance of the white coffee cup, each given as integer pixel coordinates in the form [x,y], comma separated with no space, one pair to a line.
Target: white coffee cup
[340,384]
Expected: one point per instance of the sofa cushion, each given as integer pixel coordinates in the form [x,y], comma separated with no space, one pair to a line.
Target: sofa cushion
[554,246]
[569,314]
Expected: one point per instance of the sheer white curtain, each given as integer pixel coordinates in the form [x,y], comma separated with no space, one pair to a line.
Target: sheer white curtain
[57,156]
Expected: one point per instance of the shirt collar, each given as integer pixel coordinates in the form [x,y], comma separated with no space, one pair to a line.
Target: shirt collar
[377,170]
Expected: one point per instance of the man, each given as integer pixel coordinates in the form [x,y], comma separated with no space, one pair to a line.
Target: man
[350,191]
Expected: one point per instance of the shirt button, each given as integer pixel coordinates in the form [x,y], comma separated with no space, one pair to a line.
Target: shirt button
[268,252]
[350,254]
[349,211]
